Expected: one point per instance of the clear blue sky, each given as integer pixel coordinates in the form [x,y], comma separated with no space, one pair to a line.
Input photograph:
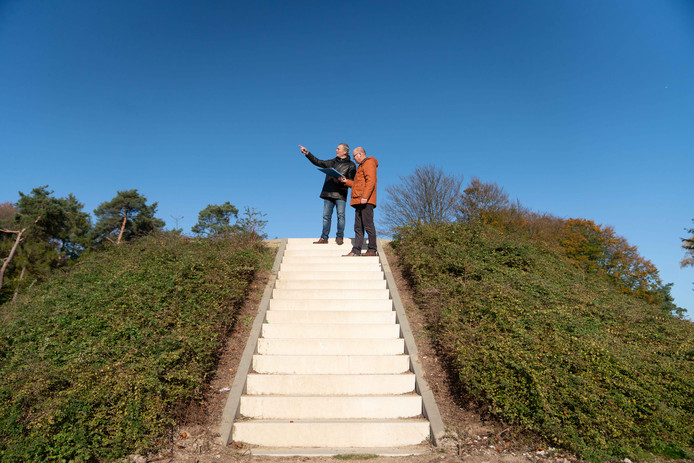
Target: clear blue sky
[577,108]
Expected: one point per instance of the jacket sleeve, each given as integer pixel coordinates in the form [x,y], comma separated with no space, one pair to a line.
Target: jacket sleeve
[370,179]
[317,162]
[351,172]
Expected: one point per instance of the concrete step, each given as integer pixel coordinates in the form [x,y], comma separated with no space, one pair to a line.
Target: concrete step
[332,305]
[336,331]
[334,294]
[308,242]
[357,433]
[330,284]
[332,364]
[331,407]
[327,385]
[355,266]
[337,253]
[333,274]
[330,346]
[330,260]
[360,453]
[307,316]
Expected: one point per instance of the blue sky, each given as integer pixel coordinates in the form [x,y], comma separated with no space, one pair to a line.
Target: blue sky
[577,108]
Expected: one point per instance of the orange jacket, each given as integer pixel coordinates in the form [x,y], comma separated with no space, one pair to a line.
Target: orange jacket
[364,183]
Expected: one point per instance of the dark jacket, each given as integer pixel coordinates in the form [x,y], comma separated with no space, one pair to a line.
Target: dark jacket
[332,189]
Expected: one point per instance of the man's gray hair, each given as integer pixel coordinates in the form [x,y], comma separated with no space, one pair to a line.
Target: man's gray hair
[344,146]
[360,149]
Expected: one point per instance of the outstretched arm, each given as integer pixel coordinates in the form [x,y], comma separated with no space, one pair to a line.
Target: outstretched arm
[315,161]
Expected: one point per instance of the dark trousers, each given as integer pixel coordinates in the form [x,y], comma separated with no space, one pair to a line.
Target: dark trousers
[364,220]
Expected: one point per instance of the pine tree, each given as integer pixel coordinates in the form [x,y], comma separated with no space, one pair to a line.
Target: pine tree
[125,217]
[44,233]
[216,220]
[688,246]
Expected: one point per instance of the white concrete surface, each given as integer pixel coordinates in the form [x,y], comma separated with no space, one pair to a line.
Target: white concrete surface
[330,368]
[327,346]
[326,316]
[331,304]
[327,259]
[327,285]
[330,275]
[329,330]
[331,407]
[338,433]
[331,364]
[347,270]
[322,384]
[334,294]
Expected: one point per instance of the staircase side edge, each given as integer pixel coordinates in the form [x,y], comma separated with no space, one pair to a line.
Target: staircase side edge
[231,409]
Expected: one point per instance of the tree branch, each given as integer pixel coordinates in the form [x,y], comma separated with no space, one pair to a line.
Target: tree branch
[122,227]
[9,258]
[14,249]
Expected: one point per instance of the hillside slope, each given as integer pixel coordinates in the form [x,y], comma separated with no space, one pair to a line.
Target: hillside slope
[95,363]
[547,346]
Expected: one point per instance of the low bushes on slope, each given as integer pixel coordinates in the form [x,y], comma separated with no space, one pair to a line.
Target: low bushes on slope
[94,363]
[599,372]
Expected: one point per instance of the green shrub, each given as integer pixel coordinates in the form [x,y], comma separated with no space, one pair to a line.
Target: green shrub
[95,362]
[554,349]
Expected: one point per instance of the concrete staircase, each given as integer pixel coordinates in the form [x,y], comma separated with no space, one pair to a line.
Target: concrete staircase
[330,368]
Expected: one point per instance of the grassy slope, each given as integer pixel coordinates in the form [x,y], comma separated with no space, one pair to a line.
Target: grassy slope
[562,353]
[94,363]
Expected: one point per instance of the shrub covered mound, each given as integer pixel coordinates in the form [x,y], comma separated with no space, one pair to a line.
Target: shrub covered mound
[563,353]
[94,363]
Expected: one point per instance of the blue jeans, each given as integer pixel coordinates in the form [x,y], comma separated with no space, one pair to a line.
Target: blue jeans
[328,205]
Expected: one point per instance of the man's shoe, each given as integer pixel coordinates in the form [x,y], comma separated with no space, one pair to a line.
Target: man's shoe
[321,241]
[339,241]
[370,253]
[351,254]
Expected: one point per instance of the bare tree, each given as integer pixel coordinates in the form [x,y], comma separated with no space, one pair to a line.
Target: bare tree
[7,213]
[427,195]
[482,201]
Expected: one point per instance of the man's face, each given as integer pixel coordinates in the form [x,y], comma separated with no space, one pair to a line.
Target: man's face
[358,156]
[341,151]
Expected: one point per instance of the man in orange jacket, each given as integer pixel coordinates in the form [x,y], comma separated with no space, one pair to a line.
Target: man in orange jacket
[363,201]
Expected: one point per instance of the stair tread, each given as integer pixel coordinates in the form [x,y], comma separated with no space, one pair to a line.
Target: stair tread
[415,419]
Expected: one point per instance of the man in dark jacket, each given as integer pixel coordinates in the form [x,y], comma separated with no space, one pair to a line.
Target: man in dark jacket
[334,193]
